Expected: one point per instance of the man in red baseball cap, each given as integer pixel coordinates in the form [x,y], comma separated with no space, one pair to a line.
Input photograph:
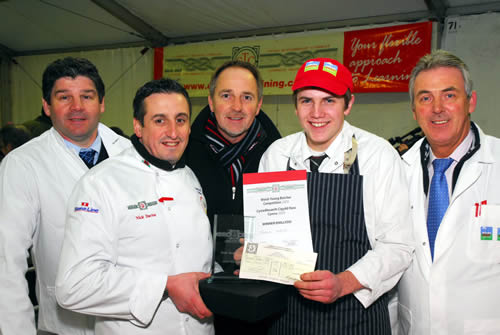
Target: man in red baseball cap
[358,208]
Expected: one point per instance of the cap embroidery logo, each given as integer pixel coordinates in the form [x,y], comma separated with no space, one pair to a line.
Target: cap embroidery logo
[330,68]
[311,65]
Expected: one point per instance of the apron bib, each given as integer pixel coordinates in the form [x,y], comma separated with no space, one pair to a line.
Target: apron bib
[340,239]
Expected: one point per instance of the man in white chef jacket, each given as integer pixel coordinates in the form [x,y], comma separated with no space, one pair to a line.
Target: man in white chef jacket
[36,180]
[452,284]
[137,237]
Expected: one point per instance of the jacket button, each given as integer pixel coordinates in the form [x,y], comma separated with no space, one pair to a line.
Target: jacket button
[177,245]
[424,243]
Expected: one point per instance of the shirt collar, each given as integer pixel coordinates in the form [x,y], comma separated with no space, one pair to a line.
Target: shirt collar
[96,145]
[150,159]
[459,151]
[335,152]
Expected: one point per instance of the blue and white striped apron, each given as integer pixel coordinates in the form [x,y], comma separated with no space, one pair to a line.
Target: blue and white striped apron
[340,239]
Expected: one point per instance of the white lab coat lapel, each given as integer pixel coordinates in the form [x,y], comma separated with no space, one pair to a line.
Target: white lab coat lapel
[469,175]
[451,225]
[417,206]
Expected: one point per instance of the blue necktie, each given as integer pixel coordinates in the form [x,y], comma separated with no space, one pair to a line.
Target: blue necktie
[87,155]
[438,199]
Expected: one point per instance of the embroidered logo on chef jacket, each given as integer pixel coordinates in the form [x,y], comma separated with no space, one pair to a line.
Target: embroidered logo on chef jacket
[142,205]
[487,233]
[84,207]
[498,234]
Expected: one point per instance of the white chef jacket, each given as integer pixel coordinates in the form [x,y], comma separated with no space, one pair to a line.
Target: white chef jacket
[385,201]
[458,292]
[129,226]
[36,180]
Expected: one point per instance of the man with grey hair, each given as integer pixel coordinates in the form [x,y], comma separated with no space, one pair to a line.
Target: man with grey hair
[453,177]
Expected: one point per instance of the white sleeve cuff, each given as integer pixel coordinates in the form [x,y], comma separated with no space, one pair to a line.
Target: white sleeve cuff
[146,297]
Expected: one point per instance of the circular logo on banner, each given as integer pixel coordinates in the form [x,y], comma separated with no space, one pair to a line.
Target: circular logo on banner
[247,54]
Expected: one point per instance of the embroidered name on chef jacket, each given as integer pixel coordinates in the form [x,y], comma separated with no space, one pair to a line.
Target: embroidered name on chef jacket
[142,206]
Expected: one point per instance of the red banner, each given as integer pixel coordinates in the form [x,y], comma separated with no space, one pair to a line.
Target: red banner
[158,64]
[381,59]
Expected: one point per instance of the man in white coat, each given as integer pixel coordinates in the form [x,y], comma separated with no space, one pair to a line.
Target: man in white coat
[452,284]
[35,183]
[357,207]
[137,237]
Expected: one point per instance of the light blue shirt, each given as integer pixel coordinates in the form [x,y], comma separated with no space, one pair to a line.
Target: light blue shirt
[95,146]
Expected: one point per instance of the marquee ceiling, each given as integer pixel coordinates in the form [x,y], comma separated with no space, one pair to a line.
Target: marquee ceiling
[29,27]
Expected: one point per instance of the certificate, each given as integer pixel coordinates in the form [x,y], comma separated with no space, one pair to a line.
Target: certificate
[277,203]
[273,263]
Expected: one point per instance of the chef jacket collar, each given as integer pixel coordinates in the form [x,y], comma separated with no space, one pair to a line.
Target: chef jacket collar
[159,163]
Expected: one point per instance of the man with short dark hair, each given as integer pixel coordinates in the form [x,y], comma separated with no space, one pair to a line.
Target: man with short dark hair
[227,139]
[453,177]
[229,136]
[146,242]
[358,209]
[35,183]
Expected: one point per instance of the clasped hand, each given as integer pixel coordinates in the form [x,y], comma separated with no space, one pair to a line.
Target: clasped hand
[184,292]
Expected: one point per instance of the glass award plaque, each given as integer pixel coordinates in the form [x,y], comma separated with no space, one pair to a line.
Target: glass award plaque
[227,232]
[225,293]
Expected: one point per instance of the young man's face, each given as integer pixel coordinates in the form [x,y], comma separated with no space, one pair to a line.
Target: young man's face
[235,103]
[442,109]
[166,129]
[321,115]
[74,109]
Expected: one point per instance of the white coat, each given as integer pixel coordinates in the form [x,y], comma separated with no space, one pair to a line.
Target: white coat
[35,183]
[385,201]
[459,292]
[129,226]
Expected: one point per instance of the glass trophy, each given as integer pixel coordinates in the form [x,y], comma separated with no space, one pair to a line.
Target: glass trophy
[227,232]
[225,293]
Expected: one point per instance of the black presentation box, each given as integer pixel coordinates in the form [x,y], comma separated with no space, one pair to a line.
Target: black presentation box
[227,295]
[243,299]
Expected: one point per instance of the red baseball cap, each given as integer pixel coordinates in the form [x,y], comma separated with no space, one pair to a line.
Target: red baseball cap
[325,73]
